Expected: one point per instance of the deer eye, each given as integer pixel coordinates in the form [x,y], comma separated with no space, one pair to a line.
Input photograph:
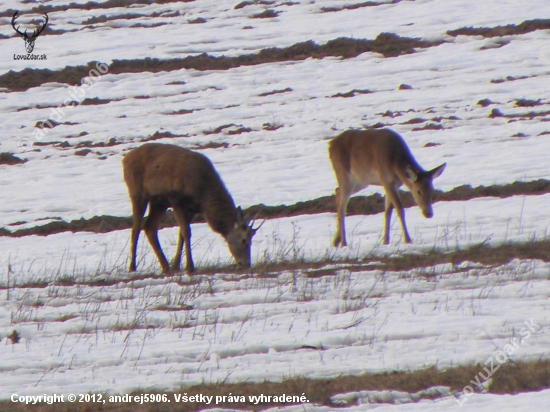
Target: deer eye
[243,241]
[419,192]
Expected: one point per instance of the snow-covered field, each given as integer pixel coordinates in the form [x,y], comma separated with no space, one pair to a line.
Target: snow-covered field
[161,333]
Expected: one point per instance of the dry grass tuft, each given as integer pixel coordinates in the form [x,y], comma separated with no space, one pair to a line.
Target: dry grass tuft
[510,378]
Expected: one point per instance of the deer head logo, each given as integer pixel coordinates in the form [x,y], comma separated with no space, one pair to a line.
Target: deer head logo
[29,40]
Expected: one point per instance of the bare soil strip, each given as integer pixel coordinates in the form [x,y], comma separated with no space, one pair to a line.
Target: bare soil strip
[510,378]
[92,5]
[499,31]
[360,205]
[358,6]
[387,44]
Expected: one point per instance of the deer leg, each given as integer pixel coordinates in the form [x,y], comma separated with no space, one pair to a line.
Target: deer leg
[342,199]
[393,196]
[138,210]
[175,267]
[388,213]
[156,213]
[184,221]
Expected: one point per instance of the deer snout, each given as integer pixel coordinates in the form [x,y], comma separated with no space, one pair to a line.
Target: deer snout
[427,210]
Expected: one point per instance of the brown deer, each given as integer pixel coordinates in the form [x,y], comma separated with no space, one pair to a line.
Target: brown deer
[379,157]
[164,176]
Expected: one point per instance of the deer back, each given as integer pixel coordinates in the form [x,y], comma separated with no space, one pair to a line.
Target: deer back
[375,156]
[156,170]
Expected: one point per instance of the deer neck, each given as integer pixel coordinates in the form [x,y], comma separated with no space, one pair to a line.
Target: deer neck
[220,213]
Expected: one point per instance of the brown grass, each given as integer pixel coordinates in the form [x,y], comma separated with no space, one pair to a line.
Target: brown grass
[509,378]
[387,44]
[358,6]
[352,93]
[250,3]
[359,205]
[499,31]
[522,116]
[288,89]
[7,158]
[91,5]
[266,14]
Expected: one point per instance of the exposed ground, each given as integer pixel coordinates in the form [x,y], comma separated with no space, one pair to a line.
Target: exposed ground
[513,378]
[358,205]
[387,44]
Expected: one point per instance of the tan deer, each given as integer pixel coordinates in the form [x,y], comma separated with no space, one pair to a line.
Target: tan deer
[379,157]
[164,176]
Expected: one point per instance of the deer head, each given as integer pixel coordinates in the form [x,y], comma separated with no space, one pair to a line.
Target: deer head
[422,188]
[29,40]
[239,238]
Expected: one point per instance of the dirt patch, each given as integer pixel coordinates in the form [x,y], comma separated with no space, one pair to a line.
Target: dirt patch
[352,93]
[509,79]
[88,143]
[86,102]
[50,124]
[82,152]
[97,224]
[358,6]
[243,4]
[92,5]
[521,116]
[359,205]
[266,14]
[288,89]
[212,145]
[512,378]
[429,126]
[182,111]
[239,129]
[499,31]
[387,44]
[97,101]
[111,142]
[198,20]
[10,159]
[528,103]
[162,135]
[485,102]
[129,16]
[415,120]
[271,126]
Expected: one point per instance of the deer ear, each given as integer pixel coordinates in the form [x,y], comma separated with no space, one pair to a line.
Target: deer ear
[411,174]
[438,170]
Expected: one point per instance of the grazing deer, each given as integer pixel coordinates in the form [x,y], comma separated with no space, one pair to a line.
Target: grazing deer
[29,40]
[164,176]
[378,157]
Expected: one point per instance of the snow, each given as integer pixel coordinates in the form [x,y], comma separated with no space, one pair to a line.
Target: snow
[87,325]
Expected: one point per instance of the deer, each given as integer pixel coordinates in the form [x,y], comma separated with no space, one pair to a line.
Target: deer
[162,176]
[379,157]
[29,40]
